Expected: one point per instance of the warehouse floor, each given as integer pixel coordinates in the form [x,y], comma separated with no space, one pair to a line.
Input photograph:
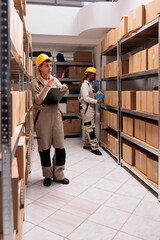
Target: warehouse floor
[102,202]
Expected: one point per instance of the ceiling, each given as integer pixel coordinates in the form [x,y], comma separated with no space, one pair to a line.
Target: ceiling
[69,3]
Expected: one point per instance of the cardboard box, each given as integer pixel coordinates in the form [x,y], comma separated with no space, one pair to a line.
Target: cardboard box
[136,18]
[60,71]
[152,134]
[128,153]
[76,72]
[150,102]
[155,102]
[141,161]
[152,10]
[72,125]
[104,116]
[16,29]
[140,129]
[125,66]
[128,125]
[152,168]
[111,37]
[22,107]
[103,45]
[131,64]
[82,56]
[104,137]
[15,196]
[123,27]
[72,105]
[153,57]
[129,100]
[141,101]
[20,155]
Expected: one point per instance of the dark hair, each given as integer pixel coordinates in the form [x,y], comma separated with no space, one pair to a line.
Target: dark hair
[86,75]
[42,64]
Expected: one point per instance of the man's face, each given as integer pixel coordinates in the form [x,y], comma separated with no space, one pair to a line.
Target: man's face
[46,68]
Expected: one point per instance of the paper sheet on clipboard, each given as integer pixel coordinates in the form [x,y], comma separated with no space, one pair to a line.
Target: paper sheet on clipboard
[54,96]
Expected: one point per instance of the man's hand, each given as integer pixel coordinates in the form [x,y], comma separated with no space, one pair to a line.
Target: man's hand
[63,87]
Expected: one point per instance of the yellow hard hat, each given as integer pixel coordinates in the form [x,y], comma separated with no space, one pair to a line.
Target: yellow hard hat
[41,58]
[91,70]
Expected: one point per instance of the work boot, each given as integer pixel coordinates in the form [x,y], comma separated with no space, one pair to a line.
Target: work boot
[97,152]
[63,181]
[86,147]
[47,182]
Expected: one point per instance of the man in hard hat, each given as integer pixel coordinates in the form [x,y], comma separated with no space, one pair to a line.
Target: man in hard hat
[88,101]
[48,122]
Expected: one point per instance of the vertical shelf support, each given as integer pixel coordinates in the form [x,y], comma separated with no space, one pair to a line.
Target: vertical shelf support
[159,110]
[7,207]
[119,63]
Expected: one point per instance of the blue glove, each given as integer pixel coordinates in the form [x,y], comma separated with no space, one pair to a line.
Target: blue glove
[100,95]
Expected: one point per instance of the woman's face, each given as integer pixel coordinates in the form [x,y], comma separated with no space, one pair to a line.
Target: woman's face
[46,68]
[92,77]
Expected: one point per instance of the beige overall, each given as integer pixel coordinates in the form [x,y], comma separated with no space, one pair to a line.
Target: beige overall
[88,117]
[49,130]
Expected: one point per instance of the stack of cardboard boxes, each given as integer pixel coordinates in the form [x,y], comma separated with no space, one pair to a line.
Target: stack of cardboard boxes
[128,24]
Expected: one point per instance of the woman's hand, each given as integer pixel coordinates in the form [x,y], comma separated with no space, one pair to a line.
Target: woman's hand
[50,82]
[102,90]
[100,101]
[63,87]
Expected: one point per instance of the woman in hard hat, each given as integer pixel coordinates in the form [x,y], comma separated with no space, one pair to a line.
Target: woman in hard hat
[48,122]
[88,101]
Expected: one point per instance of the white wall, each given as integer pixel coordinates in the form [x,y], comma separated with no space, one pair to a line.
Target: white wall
[72,21]
[52,20]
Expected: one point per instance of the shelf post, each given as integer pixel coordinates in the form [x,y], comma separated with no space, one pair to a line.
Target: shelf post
[119,65]
[159,111]
[7,208]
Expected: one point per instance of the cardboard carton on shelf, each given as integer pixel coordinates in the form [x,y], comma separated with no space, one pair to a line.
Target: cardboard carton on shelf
[128,125]
[153,57]
[123,27]
[128,153]
[152,10]
[152,168]
[150,103]
[129,100]
[136,18]
[141,101]
[103,45]
[80,56]
[72,105]
[72,125]
[152,134]
[141,161]
[140,129]
[155,102]
[20,155]
[15,196]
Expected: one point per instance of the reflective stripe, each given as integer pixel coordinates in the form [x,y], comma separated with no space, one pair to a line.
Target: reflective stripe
[87,123]
[86,108]
[37,117]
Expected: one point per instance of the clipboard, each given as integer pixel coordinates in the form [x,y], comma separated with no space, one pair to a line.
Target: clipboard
[54,96]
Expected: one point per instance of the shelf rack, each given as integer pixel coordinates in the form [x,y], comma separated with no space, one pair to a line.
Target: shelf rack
[11,67]
[71,80]
[143,38]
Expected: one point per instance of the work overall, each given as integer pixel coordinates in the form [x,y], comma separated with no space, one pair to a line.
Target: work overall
[88,117]
[49,130]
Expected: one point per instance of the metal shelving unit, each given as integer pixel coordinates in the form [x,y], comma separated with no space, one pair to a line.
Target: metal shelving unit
[145,37]
[71,80]
[10,68]
[112,51]
[150,33]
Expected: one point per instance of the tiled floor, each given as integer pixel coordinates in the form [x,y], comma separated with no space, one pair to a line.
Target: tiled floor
[102,202]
